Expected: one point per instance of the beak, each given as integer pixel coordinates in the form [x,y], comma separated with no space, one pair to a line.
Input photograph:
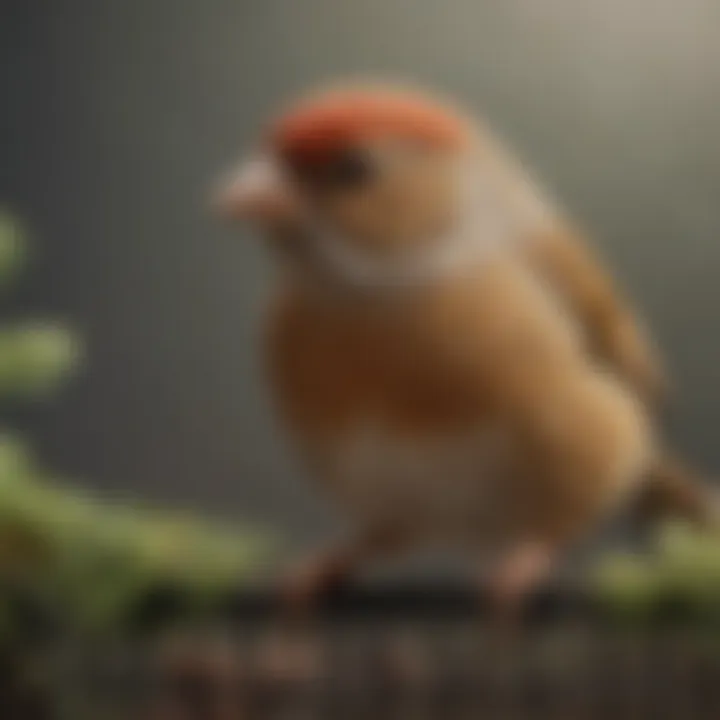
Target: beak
[255,193]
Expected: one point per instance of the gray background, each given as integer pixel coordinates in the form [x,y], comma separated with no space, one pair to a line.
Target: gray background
[118,114]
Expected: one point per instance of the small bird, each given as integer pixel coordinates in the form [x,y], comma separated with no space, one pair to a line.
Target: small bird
[453,363]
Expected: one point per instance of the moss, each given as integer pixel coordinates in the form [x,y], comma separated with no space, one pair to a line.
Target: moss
[86,560]
[679,580]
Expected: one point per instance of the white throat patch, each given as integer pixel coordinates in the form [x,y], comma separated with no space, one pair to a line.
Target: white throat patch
[489,221]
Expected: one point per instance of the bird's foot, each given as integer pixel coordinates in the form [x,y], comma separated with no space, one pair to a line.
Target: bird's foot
[306,584]
[517,576]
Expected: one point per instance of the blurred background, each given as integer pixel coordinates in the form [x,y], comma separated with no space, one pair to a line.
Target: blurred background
[118,117]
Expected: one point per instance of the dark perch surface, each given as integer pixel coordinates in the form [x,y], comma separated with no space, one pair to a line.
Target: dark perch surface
[401,651]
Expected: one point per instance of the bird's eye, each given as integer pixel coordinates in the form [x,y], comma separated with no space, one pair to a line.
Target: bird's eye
[351,170]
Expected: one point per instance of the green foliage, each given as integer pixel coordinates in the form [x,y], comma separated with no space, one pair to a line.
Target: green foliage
[35,359]
[680,580]
[71,557]
[12,246]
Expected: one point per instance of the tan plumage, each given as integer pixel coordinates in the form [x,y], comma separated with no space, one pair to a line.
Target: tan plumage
[485,352]
[452,362]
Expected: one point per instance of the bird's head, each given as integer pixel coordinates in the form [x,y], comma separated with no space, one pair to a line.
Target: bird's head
[374,184]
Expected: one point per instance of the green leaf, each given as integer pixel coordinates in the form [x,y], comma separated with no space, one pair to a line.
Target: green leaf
[35,359]
[12,246]
[15,462]
[627,585]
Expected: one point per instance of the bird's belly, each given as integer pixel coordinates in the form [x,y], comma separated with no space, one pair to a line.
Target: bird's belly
[435,487]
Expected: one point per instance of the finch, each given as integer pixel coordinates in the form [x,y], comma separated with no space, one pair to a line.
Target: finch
[454,365]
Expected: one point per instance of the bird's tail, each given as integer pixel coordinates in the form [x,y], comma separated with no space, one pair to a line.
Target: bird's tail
[674,491]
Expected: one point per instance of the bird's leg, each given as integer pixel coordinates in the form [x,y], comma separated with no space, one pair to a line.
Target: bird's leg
[317,574]
[330,568]
[516,576]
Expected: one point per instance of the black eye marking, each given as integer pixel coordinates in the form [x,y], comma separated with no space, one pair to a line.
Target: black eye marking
[350,170]
[347,170]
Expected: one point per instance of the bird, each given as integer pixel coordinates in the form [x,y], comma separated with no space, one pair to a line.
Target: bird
[451,360]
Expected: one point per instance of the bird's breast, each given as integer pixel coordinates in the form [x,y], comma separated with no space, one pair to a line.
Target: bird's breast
[447,486]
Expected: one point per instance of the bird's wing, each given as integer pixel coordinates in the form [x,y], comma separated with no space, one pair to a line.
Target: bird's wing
[613,330]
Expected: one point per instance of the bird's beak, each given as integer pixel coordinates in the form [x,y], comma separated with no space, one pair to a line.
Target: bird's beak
[257,192]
